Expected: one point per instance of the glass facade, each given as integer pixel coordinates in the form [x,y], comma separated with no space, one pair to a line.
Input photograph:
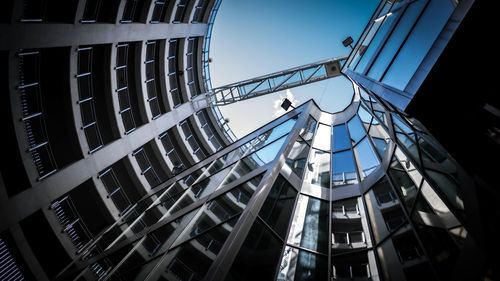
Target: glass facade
[356,199]
[395,44]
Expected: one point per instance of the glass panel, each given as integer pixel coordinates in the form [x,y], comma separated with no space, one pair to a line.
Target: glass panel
[307,132]
[431,210]
[310,224]
[318,168]
[408,166]
[417,45]
[391,251]
[381,146]
[225,207]
[386,214]
[273,134]
[300,265]
[297,158]
[448,188]
[380,35]
[367,160]
[277,208]
[364,115]
[258,256]
[440,248]
[351,267]
[340,138]
[344,170]
[192,260]
[356,129]
[323,137]
[396,39]
[403,183]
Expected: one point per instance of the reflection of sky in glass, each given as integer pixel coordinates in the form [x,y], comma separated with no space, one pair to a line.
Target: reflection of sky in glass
[364,115]
[356,129]
[340,138]
[267,154]
[381,145]
[418,43]
[274,133]
[366,157]
[343,162]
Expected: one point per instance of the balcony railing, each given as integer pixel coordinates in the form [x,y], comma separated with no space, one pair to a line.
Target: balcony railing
[86,99]
[122,88]
[115,191]
[33,115]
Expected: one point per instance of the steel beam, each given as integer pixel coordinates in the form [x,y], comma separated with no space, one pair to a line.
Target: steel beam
[275,82]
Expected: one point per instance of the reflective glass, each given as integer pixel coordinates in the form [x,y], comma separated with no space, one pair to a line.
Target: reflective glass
[277,208]
[258,256]
[381,146]
[441,249]
[273,134]
[298,265]
[395,40]
[218,210]
[322,137]
[356,129]
[403,183]
[386,214]
[417,45]
[364,115]
[340,138]
[401,126]
[431,210]
[344,170]
[297,158]
[351,267]
[387,23]
[309,227]
[318,168]
[191,260]
[448,187]
[367,160]
[307,132]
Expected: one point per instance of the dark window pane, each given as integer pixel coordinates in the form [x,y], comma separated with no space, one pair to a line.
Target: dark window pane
[258,257]
[278,206]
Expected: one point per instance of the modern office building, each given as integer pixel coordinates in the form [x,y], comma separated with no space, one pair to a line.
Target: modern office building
[118,164]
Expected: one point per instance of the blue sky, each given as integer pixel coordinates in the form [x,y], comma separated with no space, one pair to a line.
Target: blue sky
[253,38]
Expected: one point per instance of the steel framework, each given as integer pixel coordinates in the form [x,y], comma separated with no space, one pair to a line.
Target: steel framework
[275,82]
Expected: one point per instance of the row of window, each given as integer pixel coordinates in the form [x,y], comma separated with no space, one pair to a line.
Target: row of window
[108,11]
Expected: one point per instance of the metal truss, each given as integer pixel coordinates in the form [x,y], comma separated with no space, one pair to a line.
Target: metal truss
[275,82]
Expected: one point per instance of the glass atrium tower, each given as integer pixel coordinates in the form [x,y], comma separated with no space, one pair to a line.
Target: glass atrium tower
[121,167]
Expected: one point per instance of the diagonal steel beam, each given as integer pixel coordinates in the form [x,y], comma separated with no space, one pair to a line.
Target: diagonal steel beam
[275,82]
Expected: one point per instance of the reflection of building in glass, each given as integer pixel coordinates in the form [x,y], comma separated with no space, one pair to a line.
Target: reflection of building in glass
[118,169]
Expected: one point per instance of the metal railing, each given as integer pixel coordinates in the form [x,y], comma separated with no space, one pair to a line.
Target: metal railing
[147,169]
[86,99]
[115,191]
[122,88]
[151,87]
[178,165]
[32,113]
[221,121]
[209,131]
[9,270]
